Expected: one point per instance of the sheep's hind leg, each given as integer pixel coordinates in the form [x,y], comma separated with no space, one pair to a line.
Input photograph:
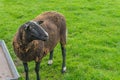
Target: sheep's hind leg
[50,61]
[37,70]
[64,58]
[63,35]
[26,70]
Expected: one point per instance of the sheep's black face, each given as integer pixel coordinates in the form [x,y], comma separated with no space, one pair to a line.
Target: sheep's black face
[34,31]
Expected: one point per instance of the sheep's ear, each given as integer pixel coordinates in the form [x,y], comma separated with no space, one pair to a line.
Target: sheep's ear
[26,27]
[40,22]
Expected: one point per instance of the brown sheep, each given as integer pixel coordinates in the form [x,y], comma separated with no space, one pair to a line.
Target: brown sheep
[38,37]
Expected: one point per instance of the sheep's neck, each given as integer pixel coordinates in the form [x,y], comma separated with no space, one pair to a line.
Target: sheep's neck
[24,45]
[23,41]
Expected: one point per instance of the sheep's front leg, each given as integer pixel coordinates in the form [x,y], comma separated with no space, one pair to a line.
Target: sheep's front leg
[50,61]
[37,70]
[26,71]
[64,58]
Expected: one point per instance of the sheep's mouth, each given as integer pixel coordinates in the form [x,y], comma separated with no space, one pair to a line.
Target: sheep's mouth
[45,38]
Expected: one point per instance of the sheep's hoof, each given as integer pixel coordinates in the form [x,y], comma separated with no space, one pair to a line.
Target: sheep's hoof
[63,70]
[50,62]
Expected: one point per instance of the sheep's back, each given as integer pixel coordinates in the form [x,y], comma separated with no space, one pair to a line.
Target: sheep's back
[53,17]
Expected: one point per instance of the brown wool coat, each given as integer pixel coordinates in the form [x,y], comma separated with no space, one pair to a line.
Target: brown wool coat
[55,24]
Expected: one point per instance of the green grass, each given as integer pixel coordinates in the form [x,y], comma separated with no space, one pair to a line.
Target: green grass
[93,42]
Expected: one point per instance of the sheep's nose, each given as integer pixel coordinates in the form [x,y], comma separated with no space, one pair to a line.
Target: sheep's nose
[46,36]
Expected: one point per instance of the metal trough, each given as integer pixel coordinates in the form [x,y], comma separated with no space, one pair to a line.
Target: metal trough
[8,70]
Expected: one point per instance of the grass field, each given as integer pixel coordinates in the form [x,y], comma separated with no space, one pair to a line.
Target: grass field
[93,42]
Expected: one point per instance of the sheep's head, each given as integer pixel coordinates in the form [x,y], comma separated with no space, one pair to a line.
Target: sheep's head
[34,31]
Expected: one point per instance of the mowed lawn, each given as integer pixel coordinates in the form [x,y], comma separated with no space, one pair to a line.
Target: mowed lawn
[93,40]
